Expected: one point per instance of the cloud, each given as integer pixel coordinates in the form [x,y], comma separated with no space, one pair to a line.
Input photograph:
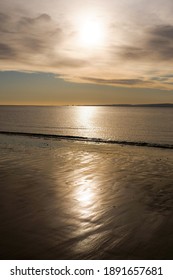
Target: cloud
[6,52]
[34,43]
[137,52]
[119,82]
[161,42]
[70,62]
[4,22]
[163,31]
[156,44]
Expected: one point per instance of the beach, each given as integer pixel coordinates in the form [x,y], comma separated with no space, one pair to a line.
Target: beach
[66,199]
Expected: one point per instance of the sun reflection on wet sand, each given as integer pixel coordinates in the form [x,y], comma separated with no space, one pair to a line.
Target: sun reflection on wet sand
[85,201]
[85,196]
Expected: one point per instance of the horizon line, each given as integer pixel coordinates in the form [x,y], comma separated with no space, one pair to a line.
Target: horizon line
[109,104]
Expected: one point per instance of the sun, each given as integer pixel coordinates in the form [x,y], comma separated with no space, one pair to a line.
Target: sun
[91,33]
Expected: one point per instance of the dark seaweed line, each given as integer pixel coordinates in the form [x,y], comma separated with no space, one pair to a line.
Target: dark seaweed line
[87,139]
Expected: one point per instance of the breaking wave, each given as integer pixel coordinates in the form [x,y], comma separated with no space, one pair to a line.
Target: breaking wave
[88,139]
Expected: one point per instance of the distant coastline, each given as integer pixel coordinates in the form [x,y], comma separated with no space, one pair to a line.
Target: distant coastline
[132,105]
[97,105]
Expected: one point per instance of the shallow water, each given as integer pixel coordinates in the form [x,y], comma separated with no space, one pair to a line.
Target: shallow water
[73,200]
[135,124]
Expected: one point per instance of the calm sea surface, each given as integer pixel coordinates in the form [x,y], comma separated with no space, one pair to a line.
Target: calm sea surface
[136,124]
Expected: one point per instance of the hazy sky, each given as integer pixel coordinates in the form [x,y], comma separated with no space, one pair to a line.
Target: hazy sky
[78,52]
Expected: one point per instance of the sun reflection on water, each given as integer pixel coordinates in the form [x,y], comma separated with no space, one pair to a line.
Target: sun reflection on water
[86,115]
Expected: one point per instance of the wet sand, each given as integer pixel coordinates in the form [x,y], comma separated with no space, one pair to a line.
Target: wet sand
[77,200]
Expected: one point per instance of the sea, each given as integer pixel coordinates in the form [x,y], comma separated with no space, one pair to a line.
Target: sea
[133,125]
[86,182]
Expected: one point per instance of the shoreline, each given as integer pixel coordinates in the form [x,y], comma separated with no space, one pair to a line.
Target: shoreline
[87,139]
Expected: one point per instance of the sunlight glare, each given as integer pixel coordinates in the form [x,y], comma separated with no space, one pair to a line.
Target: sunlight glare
[86,115]
[85,196]
[91,33]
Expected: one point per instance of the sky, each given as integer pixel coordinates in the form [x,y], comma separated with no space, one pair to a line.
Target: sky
[60,52]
